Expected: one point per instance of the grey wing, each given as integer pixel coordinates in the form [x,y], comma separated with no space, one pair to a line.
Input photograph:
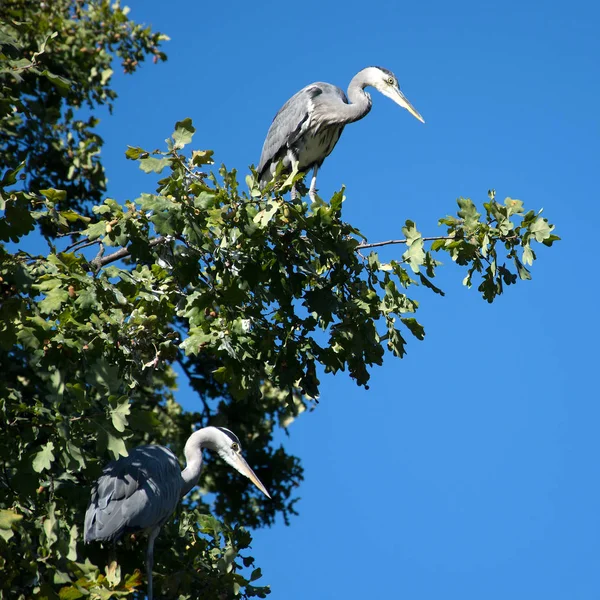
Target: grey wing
[136,492]
[289,124]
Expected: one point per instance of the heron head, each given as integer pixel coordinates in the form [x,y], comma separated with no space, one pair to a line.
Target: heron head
[385,82]
[227,445]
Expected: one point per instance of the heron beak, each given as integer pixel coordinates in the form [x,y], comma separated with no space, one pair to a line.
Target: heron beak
[243,467]
[400,98]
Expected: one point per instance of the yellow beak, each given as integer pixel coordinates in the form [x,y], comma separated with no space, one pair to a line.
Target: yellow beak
[243,467]
[400,98]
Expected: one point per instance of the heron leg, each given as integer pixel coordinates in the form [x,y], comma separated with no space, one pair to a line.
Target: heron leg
[150,559]
[313,185]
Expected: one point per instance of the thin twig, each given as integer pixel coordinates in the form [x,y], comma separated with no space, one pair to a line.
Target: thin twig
[82,244]
[389,242]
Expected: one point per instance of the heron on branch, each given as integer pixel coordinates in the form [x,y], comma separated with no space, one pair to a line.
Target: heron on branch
[308,126]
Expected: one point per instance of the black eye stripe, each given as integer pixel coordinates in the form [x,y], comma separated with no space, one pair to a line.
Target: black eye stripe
[230,435]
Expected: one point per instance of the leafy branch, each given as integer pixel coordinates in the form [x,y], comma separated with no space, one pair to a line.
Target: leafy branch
[365,245]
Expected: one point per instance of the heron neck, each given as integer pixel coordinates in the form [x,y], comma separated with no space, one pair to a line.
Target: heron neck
[193,459]
[360,101]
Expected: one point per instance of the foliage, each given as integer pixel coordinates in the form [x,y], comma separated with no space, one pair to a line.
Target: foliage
[55,59]
[244,289]
[252,296]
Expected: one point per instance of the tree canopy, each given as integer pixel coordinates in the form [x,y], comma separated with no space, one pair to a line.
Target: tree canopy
[251,296]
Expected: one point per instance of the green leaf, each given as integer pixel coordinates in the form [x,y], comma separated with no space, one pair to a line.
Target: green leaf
[86,298]
[73,454]
[263,217]
[72,216]
[27,337]
[44,458]
[184,131]
[468,212]
[73,539]
[119,416]
[156,165]
[427,283]
[50,526]
[515,207]
[414,327]
[437,244]
[54,195]
[115,445]
[415,255]
[208,524]
[135,152]
[105,76]
[60,577]
[106,375]
[541,229]
[528,255]
[64,85]
[337,200]
[8,519]
[202,157]
[10,176]
[113,573]
[521,270]
[134,580]
[71,593]
[53,300]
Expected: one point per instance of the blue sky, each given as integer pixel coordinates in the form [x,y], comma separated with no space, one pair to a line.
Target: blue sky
[470,468]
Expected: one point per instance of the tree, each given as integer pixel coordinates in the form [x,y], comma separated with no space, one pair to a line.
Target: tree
[252,295]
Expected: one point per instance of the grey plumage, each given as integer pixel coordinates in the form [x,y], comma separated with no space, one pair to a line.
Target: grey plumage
[139,492]
[308,126]
[127,496]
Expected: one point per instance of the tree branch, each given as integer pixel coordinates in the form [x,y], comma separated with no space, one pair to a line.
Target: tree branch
[101,261]
[389,242]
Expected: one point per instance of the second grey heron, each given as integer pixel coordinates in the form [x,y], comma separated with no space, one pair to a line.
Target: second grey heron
[140,491]
[309,125]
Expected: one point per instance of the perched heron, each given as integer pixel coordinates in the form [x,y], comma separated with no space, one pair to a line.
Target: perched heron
[310,123]
[140,491]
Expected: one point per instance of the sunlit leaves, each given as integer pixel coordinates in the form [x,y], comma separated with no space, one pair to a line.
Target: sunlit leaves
[541,229]
[468,212]
[46,78]
[111,442]
[43,458]
[263,216]
[184,131]
[202,157]
[134,153]
[414,255]
[8,521]
[485,243]
[150,164]
[118,415]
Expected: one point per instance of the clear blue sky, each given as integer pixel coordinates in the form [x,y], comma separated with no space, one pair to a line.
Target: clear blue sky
[469,470]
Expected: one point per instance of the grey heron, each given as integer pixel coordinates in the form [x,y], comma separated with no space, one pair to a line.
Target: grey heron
[309,125]
[140,491]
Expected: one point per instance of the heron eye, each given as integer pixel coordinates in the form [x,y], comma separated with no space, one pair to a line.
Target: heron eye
[390,80]
[235,447]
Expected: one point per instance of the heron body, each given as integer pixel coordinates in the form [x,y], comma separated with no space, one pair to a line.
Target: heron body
[308,126]
[134,493]
[139,492]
